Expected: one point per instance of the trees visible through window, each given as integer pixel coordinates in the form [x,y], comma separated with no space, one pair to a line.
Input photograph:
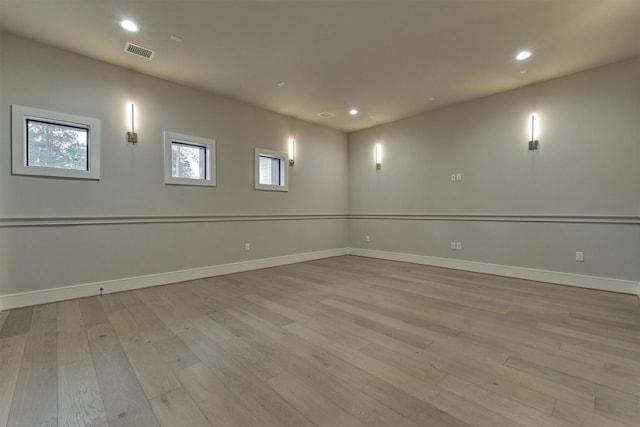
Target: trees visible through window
[52,144]
[55,145]
[189,160]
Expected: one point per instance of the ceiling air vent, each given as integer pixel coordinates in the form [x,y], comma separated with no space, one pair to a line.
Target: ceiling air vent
[326,115]
[140,51]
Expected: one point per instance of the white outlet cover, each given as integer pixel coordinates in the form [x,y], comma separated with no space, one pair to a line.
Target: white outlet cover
[367,238]
[453,245]
[580,256]
[458,245]
[453,177]
[458,176]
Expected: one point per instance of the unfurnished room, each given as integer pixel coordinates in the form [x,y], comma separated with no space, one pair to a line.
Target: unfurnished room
[299,213]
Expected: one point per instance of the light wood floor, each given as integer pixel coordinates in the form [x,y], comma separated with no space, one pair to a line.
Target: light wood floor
[341,342]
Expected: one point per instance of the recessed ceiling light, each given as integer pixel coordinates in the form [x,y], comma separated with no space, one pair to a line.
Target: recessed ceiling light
[432,99]
[523,55]
[175,38]
[353,112]
[523,71]
[129,25]
[281,84]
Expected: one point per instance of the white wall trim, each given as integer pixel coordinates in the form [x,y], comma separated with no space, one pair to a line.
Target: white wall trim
[557,277]
[7,222]
[118,285]
[125,284]
[572,219]
[106,220]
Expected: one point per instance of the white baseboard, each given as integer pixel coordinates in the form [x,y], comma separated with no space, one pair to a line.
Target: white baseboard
[118,285]
[570,279]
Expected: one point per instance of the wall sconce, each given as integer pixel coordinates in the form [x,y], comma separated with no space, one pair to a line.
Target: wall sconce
[535,131]
[132,136]
[292,151]
[378,156]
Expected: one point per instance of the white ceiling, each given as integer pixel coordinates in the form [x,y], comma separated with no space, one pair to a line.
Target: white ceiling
[388,58]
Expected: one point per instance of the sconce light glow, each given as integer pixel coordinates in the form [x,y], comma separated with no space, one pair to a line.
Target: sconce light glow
[132,136]
[534,131]
[292,151]
[521,56]
[353,112]
[378,156]
[129,25]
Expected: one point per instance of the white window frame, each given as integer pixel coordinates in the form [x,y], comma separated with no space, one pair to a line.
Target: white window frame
[19,117]
[210,152]
[284,170]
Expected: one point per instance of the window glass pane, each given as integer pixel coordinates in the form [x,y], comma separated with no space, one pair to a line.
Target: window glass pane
[270,170]
[188,161]
[55,145]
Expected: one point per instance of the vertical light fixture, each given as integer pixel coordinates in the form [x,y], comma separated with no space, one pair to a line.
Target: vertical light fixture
[378,156]
[292,151]
[534,129]
[132,136]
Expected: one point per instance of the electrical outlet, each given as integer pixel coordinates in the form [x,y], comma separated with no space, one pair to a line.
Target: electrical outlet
[453,245]
[580,256]
[247,247]
[453,177]
[459,176]
[367,238]
[458,245]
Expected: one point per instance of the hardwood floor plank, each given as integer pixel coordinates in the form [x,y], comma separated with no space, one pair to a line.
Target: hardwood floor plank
[411,407]
[608,402]
[111,302]
[177,409]
[35,401]
[3,316]
[79,398]
[17,322]
[313,405]
[155,376]
[216,401]
[570,332]
[125,403]
[467,411]
[577,415]
[255,394]
[511,409]
[92,311]
[72,336]
[617,406]
[486,375]
[339,387]
[344,341]
[11,351]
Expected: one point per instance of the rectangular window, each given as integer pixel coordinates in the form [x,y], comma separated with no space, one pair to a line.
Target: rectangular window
[189,160]
[51,144]
[271,170]
[57,145]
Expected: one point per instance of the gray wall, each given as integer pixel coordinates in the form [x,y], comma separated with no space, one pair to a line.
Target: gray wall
[579,191]
[37,256]
[513,206]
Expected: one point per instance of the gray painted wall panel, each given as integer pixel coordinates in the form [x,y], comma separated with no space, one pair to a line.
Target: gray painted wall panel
[132,181]
[588,163]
